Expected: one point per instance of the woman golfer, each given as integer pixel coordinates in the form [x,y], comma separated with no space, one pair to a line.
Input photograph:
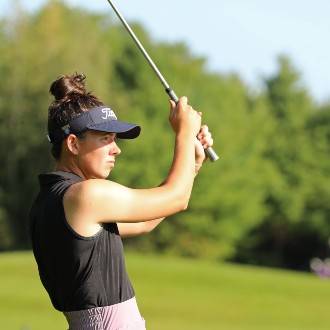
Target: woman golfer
[78,218]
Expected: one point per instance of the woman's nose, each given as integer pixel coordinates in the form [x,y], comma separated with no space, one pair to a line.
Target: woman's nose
[116,150]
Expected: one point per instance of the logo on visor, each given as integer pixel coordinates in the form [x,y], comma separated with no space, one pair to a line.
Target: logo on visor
[108,113]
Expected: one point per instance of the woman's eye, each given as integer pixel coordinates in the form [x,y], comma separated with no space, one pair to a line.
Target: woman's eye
[109,138]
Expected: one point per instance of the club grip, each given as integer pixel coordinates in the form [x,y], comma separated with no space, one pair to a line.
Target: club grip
[211,154]
[209,151]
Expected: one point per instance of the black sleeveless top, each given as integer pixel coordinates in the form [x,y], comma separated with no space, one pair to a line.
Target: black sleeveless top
[77,272]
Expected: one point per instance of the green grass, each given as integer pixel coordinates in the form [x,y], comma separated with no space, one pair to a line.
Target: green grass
[181,294]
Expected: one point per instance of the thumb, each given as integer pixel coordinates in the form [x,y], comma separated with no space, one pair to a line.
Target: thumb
[172,104]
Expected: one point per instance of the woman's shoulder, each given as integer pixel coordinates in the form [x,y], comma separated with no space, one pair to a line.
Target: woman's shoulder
[90,190]
[89,203]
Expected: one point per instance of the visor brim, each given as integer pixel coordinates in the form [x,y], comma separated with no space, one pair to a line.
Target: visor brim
[122,129]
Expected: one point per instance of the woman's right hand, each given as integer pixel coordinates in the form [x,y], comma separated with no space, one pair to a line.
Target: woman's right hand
[184,118]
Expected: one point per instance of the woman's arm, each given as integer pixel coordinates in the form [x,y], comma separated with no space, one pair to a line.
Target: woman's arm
[203,140]
[137,228]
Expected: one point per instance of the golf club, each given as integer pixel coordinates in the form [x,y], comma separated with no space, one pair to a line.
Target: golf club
[209,151]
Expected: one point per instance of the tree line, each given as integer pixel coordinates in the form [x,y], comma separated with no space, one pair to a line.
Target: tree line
[265,202]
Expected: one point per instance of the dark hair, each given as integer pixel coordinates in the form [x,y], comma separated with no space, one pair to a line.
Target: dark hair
[71,99]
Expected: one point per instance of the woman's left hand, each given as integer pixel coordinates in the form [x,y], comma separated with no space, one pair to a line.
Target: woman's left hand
[203,141]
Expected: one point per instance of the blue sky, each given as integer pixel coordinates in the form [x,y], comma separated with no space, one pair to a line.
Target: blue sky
[244,36]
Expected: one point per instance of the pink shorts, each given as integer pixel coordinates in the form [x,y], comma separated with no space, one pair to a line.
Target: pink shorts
[122,316]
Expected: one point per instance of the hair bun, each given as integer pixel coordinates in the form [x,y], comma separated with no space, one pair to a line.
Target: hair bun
[66,84]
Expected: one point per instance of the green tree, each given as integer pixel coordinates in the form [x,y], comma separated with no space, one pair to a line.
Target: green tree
[296,225]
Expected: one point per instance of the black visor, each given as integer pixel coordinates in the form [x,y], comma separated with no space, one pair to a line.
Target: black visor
[98,119]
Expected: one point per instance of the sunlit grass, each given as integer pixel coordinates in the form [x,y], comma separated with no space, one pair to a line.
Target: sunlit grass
[181,294]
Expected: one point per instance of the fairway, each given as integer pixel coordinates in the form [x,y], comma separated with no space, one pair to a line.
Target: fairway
[180,294]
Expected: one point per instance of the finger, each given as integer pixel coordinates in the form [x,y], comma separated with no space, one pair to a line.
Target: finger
[204,130]
[183,99]
[183,102]
[205,137]
[207,140]
[208,144]
[172,104]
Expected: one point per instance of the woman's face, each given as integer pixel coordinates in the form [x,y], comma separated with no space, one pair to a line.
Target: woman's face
[96,154]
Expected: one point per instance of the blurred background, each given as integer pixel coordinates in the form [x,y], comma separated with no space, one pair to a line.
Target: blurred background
[258,71]
[266,201]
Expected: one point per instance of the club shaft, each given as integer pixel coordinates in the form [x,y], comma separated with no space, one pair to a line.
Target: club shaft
[209,151]
[140,46]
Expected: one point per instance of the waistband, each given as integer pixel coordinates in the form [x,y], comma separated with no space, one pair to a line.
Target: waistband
[125,315]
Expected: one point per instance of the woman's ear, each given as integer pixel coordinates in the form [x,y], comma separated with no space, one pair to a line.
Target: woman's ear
[72,144]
